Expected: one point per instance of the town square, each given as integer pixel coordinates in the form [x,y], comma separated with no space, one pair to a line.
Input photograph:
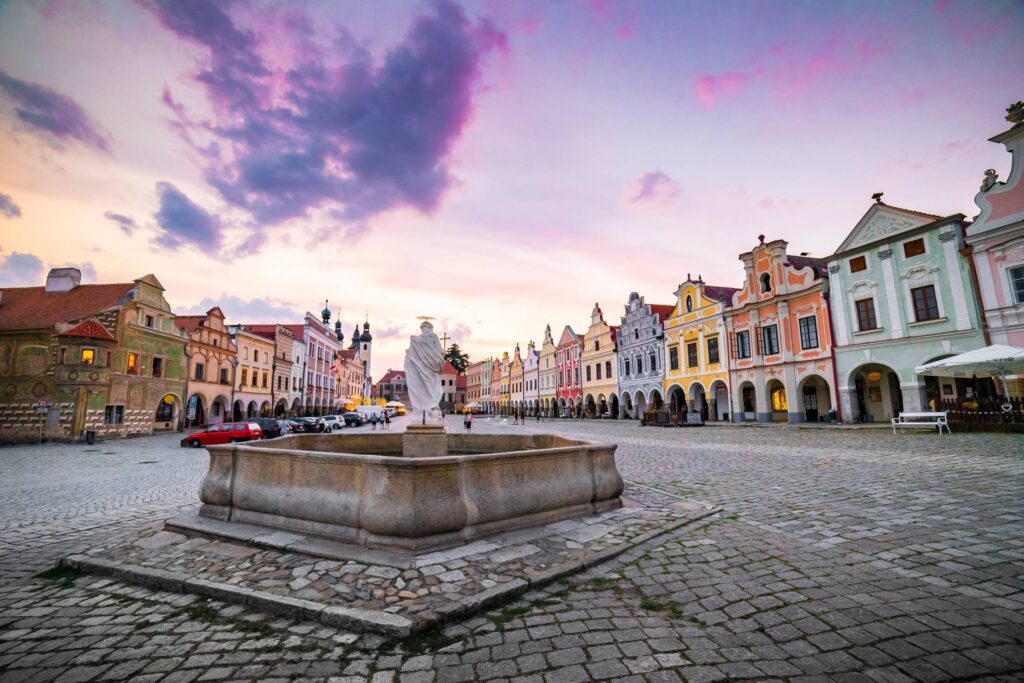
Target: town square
[457,340]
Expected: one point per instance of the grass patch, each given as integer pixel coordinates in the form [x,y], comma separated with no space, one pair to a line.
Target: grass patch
[674,612]
[650,605]
[508,614]
[599,583]
[60,576]
[732,518]
[203,612]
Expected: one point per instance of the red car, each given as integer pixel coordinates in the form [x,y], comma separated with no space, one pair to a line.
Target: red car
[229,432]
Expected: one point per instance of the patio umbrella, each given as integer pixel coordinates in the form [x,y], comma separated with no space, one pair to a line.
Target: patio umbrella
[992,360]
[394,404]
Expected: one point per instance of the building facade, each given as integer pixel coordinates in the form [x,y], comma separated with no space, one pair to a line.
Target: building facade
[568,352]
[996,238]
[696,353]
[547,364]
[599,365]
[392,387]
[282,365]
[322,346]
[449,387]
[641,356]
[351,379]
[901,296]
[780,352]
[474,373]
[516,381]
[253,395]
[531,379]
[505,397]
[297,394]
[74,358]
[497,374]
[211,370]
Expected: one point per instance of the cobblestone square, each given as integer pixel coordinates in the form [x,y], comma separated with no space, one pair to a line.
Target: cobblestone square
[845,554]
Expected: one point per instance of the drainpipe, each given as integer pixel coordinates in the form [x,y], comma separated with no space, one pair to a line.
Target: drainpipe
[968,252]
[832,339]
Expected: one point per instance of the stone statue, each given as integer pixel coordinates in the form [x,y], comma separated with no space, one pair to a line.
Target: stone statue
[423,362]
[991,178]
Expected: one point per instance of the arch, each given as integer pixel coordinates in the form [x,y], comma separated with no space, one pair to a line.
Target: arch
[874,394]
[613,406]
[640,401]
[265,409]
[628,409]
[296,408]
[219,410]
[815,398]
[718,398]
[237,410]
[199,417]
[252,409]
[590,406]
[656,400]
[676,399]
[747,407]
[281,408]
[168,409]
[778,400]
[698,400]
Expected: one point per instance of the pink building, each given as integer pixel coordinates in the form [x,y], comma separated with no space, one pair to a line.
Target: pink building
[568,354]
[997,240]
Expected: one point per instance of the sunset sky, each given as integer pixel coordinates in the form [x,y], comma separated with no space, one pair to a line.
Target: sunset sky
[497,165]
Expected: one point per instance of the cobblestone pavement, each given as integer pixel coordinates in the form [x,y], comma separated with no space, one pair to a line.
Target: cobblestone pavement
[842,554]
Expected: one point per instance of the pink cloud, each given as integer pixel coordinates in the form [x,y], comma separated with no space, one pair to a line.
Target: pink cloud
[708,88]
[654,188]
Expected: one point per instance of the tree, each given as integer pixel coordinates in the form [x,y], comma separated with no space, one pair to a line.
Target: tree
[457,358]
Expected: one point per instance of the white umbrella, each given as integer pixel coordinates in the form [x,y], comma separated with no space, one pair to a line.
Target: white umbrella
[474,404]
[992,360]
[394,404]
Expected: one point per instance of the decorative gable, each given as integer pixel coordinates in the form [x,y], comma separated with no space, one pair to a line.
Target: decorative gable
[882,221]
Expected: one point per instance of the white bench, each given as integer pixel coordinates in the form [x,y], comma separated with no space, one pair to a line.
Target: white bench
[935,420]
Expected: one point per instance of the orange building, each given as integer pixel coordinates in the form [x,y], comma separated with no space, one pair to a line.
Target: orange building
[780,343]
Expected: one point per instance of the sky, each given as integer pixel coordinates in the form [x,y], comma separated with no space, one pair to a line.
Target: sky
[497,165]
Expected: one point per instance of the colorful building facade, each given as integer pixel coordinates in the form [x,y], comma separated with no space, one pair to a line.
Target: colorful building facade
[74,358]
[901,296]
[516,381]
[531,379]
[599,367]
[211,372]
[997,239]
[641,356]
[547,364]
[696,353]
[253,395]
[568,352]
[780,352]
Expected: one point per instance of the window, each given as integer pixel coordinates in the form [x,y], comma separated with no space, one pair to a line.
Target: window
[149,321]
[654,362]
[913,247]
[245,377]
[223,375]
[1017,282]
[743,344]
[264,380]
[158,367]
[689,303]
[691,355]
[597,344]
[588,373]
[625,364]
[858,263]
[926,305]
[639,365]
[865,314]
[808,332]
[770,339]
[215,344]
[713,351]
[636,333]
[766,283]
[88,356]
[608,369]
[133,364]
[165,411]
[200,371]
[113,415]
[673,358]
[597,369]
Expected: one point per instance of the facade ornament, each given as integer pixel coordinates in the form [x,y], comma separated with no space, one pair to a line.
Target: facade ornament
[1015,112]
[990,179]
[877,197]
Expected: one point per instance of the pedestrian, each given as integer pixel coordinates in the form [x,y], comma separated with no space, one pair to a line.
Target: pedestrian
[538,416]
[373,421]
[469,422]
[515,416]
[387,421]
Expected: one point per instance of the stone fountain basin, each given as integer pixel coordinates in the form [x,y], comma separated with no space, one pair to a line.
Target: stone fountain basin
[357,489]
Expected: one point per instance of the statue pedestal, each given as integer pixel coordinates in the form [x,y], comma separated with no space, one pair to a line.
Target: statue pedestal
[424,441]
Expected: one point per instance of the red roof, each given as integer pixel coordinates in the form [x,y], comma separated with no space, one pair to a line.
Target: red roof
[448,369]
[33,308]
[662,310]
[89,329]
[348,354]
[189,323]
[460,382]
[723,294]
[266,331]
[819,265]
[298,331]
[390,376]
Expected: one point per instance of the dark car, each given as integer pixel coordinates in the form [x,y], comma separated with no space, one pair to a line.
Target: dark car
[353,419]
[272,427]
[229,432]
[309,424]
[294,426]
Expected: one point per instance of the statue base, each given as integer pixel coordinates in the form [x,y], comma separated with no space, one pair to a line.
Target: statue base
[424,441]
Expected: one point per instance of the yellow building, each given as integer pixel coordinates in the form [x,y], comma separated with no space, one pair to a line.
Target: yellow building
[548,375]
[506,385]
[696,367]
[253,375]
[600,376]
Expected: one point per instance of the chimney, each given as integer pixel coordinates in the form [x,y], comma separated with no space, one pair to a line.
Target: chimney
[63,279]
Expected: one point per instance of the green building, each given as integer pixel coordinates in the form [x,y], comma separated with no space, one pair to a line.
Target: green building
[901,295]
[76,358]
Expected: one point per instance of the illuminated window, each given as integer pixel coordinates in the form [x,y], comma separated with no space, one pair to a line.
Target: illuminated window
[88,356]
[133,364]
[779,400]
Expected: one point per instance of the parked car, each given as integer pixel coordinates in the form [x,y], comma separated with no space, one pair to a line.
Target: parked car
[309,424]
[229,432]
[272,427]
[332,423]
[369,411]
[294,426]
[354,419]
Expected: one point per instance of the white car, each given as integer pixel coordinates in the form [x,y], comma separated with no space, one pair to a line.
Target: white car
[332,423]
[370,411]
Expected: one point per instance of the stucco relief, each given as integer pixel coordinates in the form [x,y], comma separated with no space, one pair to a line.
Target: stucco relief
[882,225]
[919,275]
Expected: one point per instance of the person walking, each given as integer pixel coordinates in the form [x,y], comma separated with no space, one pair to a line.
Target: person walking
[373,421]
[469,422]
[387,421]
[515,416]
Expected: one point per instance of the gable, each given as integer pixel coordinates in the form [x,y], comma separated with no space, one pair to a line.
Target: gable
[568,336]
[882,221]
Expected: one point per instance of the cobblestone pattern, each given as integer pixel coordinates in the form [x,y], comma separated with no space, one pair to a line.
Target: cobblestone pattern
[845,555]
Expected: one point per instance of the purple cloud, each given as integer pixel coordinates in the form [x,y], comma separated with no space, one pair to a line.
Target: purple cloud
[49,111]
[21,270]
[326,130]
[238,310]
[8,208]
[655,187]
[710,88]
[126,223]
[183,222]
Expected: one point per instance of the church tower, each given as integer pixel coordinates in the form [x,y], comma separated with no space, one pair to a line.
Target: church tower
[365,342]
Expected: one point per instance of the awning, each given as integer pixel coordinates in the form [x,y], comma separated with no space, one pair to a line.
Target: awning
[996,360]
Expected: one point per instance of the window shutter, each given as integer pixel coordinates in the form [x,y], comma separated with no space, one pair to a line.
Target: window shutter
[734,346]
[759,339]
